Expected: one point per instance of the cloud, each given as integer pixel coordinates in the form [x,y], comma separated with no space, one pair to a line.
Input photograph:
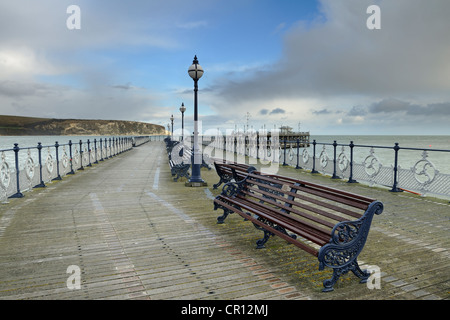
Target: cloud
[279,28]
[360,74]
[390,106]
[278,111]
[48,70]
[322,111]
[337,55]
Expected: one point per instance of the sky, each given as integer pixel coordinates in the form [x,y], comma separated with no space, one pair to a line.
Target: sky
[314,65]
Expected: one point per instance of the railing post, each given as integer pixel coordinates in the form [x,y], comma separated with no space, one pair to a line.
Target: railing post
[113,148]
[335,176]
[101,150]
[350,179]
[298,154]
[41,184]
[394,187]
[89,153]
[18,194]
[71,160]
[314,157]
[95,151]
[81,156]
[284,160]
[58,176]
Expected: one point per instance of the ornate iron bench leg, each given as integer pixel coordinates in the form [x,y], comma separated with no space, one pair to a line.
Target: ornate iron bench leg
[337,272]
[260,244]
[348,239]
[215,186]
[226,212]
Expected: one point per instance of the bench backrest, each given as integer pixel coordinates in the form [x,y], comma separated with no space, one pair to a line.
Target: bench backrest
[236,170]
[319,208]
[181,154]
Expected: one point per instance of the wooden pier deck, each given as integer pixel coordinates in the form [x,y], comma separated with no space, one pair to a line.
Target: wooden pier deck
[134,233]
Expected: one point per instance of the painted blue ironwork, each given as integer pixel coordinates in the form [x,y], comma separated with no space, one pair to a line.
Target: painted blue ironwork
[371,170]
[347,241]
[25,167]
[347,238]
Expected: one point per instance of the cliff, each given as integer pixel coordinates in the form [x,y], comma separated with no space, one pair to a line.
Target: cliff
[20,126]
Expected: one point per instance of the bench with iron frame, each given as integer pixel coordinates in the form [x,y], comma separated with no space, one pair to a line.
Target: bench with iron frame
[179,165]
[227,171]
[180,161]
[330,224]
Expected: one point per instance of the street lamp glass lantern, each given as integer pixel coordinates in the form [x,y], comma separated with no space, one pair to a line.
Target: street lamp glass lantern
[182,108]
[171,118]
[195,70]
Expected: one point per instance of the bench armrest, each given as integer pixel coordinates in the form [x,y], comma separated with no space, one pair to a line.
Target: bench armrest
[232,188]
[348,239]
[347,231]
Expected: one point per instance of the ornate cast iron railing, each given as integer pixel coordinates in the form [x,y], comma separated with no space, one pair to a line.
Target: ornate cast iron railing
[24,168]
[399,168]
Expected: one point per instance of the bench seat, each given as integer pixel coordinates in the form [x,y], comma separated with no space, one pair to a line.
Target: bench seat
[328,223]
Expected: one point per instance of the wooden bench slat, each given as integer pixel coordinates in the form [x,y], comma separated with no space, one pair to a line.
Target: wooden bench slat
[281,222]
[297,212]
[363,199]
[349,198]
[312,200]
[297,243]
[312,230]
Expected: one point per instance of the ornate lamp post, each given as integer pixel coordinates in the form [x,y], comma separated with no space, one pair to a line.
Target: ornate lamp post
[196,72]
[182,110]
[171,119]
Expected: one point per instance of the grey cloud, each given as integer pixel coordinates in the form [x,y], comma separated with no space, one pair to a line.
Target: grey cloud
[16,89]
[389,105]
[322,111]
[337,55]
[274,111]
[357,111]
[434,109]
[411,109]
[277,111]
[127,86]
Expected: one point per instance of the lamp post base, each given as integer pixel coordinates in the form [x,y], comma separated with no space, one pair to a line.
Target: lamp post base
[195,184]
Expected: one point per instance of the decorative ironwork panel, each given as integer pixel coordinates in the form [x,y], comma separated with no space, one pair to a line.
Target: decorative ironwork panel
[5,178]
[424,178]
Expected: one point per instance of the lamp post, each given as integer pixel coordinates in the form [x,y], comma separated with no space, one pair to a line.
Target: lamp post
[182,110]
[171,119]
[195,71]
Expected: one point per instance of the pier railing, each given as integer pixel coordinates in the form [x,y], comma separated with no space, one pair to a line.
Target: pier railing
[402,168]
[24,168]
[395,167]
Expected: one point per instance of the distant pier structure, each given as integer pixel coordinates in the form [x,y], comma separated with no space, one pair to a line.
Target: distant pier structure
[245,138]
[291,137]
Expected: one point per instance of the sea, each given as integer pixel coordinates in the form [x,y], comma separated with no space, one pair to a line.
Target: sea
[437,147]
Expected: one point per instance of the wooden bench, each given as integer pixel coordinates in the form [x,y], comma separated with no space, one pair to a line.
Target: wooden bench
[330,224]
[227,171]
[180,161]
